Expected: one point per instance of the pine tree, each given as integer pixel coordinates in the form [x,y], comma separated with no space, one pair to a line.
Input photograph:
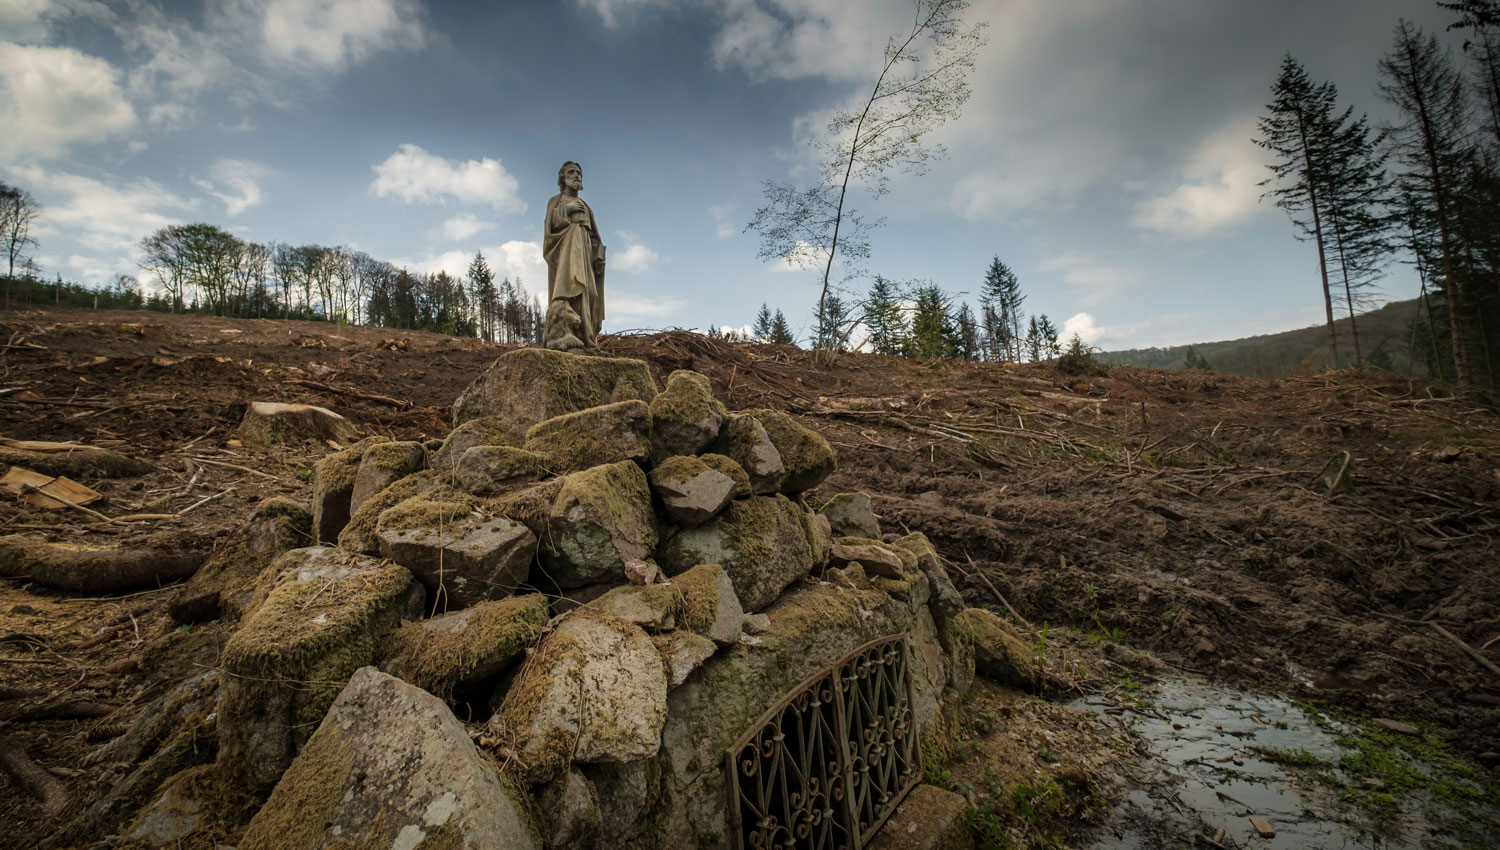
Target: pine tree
[932,330]
[781,332]
[761,330]
[1431,141]
[966,342]
[481,278]
[1048,333]
[1000,301]
[1034,340]
[1295,129]
[884,318]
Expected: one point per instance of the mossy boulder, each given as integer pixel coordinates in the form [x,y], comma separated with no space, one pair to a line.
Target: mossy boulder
[594,690]
[685,417]
[946,600]
[851,515]
[600,519]
[491,470]
[321,621]
[691,491]
[746,442]
[465,647]
[224,583]
[979,641]
[482,431]
[930,818]
[810,628]
[196,807]
[595,436]
[878,558]
[359,533]
[808,457]
[709,605]
[653,607]
[333,486]
[727,465]
[390,766]
[761,543]
[383,464]
[458,555]
[682,653]
[529,385]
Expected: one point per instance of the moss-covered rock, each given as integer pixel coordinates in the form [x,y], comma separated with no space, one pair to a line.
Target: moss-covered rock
[491,470]
[197,807]
[359,534]
[690,490]
[458,555]
[321,621]
[600,519]
[528,385]
[946,600]
[465,647]
[390,766]
[745,441]
[595,436]
[979,641]
[685,418]
[808,457]
[709,606]
[653,607]
[530,506]
[383,464]
[223,583]
[878,559]
[594,690]
[333,486]
[851,515]
[481,431]
[682,653]
[930,818]
[760,542]
[727,465]
[811,627]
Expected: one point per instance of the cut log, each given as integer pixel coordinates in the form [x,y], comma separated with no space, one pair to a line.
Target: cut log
[273,423]
[68,459]
[77,569]
[35,781]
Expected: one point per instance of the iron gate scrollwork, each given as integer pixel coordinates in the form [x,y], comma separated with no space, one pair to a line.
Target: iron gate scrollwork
[825,766]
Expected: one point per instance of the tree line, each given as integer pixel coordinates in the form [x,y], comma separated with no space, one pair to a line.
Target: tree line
[919,319]
[1426,188]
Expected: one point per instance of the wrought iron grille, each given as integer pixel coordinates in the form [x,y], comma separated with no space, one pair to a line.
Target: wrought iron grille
[825,766]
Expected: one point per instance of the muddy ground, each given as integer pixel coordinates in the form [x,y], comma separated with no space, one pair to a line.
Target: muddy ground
[1328,538]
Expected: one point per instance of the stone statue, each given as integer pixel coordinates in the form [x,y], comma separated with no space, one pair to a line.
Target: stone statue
[575,267]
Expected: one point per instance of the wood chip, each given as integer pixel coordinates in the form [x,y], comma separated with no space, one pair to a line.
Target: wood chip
[47,491]
[1397,726]
[1263,827]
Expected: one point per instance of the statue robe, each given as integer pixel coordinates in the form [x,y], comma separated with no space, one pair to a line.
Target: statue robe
[575,263]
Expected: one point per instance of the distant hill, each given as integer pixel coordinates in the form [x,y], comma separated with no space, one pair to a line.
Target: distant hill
[1385,335]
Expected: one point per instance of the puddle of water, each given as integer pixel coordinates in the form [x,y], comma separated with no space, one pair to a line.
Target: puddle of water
[1210,766]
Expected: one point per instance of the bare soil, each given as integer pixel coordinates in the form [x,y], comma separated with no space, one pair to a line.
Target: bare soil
[1189,515]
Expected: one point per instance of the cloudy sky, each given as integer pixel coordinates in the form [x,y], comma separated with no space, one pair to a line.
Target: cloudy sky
[1105,154]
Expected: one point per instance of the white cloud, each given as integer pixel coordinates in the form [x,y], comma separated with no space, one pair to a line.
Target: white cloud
[244,125]
[625,310]
[464,225]
[804,255]
[1083,325]
[609,10]
[518,260]
[724,228]
[635,259]
[235,182]
[1220,186]
[21,20]
[1095,281]
[107,219]
[412,175]
[169,117]
[56,96]
[799,38]
[333,34]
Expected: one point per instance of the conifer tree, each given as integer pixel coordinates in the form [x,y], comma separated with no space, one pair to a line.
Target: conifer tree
[1034,340]
[781,332]
[1000,310]
[932,331]
[761,330]
[884,318]
[966,334]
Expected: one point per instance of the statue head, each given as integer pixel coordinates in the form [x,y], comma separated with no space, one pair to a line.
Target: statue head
[571,173]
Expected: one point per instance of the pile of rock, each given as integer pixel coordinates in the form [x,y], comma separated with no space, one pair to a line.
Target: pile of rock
[628,577]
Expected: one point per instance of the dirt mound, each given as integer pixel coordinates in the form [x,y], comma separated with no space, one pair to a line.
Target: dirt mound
[1329,537]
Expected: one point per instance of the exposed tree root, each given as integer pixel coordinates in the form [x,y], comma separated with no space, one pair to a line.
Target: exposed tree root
[77,569]
[33,779]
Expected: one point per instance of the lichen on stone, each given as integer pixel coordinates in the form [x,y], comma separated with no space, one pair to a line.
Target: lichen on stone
[594,436]
[728,466]
[359,534]
[807,456]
